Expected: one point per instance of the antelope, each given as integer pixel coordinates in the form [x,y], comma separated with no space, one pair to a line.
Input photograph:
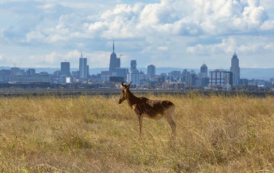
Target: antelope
[144,107]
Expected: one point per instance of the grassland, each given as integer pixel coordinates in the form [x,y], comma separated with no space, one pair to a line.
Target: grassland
[95,134]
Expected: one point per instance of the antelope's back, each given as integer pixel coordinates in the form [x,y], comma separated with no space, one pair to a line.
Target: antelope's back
[158,105]
[166,103]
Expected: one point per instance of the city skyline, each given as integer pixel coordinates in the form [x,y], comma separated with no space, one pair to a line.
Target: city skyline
[165,33]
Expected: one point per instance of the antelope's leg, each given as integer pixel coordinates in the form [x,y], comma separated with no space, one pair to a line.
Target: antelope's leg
[172,124]
[140,118]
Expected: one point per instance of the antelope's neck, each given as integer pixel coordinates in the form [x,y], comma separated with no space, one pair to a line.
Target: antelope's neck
[132,99]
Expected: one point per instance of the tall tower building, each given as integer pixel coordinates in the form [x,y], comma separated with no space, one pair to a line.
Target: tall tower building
[83,73]
[133,66]
[65,68]
[235,69]
[204,71]
[114,61]
[151,70]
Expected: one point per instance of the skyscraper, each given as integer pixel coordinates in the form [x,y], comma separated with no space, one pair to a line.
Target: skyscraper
[65,68]
[83,73]
[114,61]
[203,79]
[133,65]
[151,70]
[235,69]
[203,71]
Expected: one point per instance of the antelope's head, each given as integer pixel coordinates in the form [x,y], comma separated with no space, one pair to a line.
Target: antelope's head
[124,93]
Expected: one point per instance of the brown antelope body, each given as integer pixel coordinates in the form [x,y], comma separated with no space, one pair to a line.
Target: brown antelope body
[144,107]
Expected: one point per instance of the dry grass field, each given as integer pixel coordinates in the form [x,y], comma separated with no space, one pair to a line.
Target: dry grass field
[95,134]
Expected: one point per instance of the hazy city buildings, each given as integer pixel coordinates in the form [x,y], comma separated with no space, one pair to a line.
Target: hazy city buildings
[105,75]
[5,75]
[83,68]
[135,77]
[176,79]
[64,79]
[175,75]
[191,79]
[14,71]
[30,72]
[114,61]
[235,69]
[121,72]
[30,79]
[87,70]
[65,68]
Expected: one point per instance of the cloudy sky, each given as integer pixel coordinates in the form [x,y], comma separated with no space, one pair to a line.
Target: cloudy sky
[166,33]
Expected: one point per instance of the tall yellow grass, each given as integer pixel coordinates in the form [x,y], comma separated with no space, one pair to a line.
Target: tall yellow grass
[95,134]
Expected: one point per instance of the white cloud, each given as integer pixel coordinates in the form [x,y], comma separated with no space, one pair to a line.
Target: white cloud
[242,44]
[168,32]
[168,17]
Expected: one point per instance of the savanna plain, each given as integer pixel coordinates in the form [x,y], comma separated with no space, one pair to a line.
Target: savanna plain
[95,134]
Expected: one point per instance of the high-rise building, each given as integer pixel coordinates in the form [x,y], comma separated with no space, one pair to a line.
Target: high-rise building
[151,70]
[203,79]
[65,68]
[133,65]
[83,73]
[203,71]
[235,69]
[220,78]
[114,61]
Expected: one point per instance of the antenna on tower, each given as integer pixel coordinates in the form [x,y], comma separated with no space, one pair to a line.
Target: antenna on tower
[113,46]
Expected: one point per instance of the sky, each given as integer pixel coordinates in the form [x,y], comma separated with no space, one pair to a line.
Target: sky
[166,33]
